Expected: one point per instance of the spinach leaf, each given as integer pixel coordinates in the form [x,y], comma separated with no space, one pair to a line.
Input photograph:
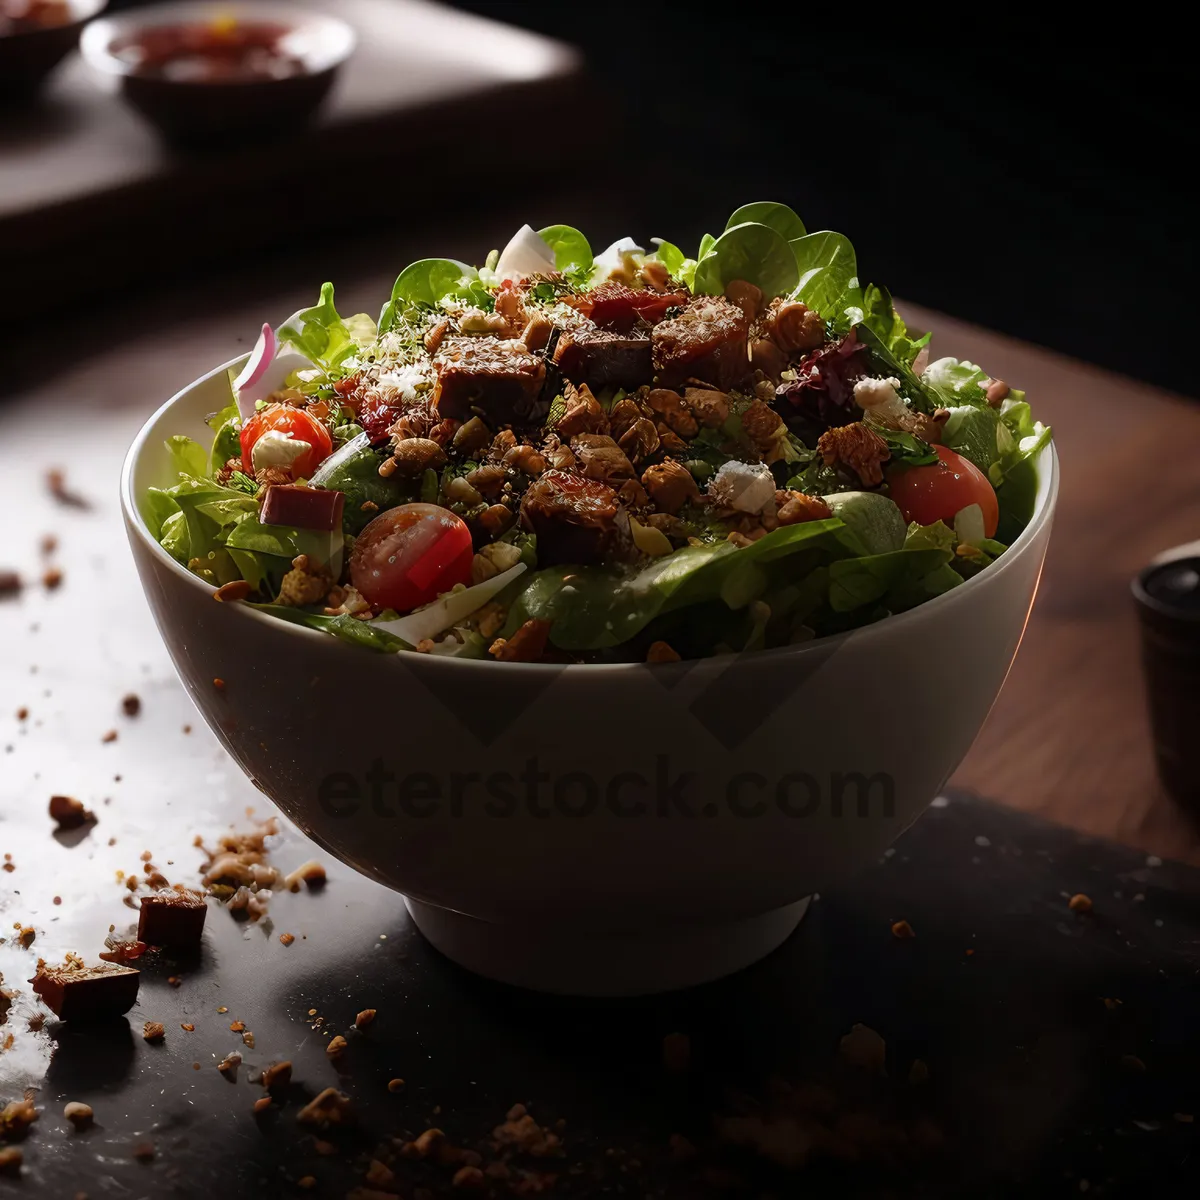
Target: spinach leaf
[706,244]
[900,579]
[671,257]
[344,627]
[753,252]
[427,282]
[977,434]
[766,212]
[922,397]
[571,250]
[358,477]
[828,269]
[907,449]
[319,333]
[1015,478]
[591,608]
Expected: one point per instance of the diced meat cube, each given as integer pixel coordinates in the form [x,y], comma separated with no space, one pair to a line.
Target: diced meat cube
[576,520]
[707,341]
[486,376]
[587,354]
[77,993]
[173,919]
[617,308]
[303,507]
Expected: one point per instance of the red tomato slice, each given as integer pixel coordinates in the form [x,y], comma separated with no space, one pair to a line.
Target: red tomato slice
[938,491]
[410,555]
[293,423]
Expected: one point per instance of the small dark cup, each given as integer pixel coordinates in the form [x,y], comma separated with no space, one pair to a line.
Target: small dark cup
[27,58]
[225,113]
[1168,601]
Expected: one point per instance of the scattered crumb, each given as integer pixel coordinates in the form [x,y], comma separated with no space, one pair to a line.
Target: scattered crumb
[154,1031]
[131,704]
[110,736]
[223,1009]
[306,1182]
[336,1046]
[676,1051]
[175,980]
[26,934]
[236,1026]
[287,938]
[11,1159]
[311,873]
[1131,1062]
[394,1085]
[52,579]
[1111,1003]
[69,813]
[22,713]
[56,483]
[379,1175]
[229,1064]
[262,1104]
[277,1075]
[79,1114]
[364,1018]
[1079,903]
[248,1039]
[187,729]
[903,930]
[144,1151]
[48,544]
[17,1116]
[469,1177]
[187,1027]
[329,1107]
[219,683]
[863,1047]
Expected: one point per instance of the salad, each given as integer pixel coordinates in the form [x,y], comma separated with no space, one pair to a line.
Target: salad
[637,455]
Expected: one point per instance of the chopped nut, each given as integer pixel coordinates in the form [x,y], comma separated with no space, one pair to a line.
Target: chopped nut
[793,508]
[154,1031]
[709,407]
[525,458]
[329,1107]
[52,578]
[857,447]
[11,1158]
[661,652]
[671,485]
[229,1064]
[395,1085]
[364,1018]
[69,813]
[277,1075]
[336,1046]
[902,929]
[235,589]
[997,392]
[306,1182]
[144,1151]
[287,938]
[79,1114]
[676,1051]
[487,480]
[262,1104]
[669,406]
[745,295]
[311,873]
[526,645]
[187,1027]
[412,456]
[1080,903]
[17,1116]
[131,704]
[863,1047]
[379,1174]
[793,326]
[469,1177]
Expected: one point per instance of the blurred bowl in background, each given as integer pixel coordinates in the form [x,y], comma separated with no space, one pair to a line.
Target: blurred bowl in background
[34,42]
[210,75]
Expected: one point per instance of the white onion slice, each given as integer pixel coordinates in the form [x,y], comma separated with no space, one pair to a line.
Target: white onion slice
[449,609]
[339,456]
[526,254]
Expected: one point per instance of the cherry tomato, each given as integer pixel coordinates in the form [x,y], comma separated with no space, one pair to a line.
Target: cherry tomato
[938,491]
[410,555]
[293,423]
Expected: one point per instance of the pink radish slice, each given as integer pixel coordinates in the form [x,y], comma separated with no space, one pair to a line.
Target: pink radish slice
[256,366]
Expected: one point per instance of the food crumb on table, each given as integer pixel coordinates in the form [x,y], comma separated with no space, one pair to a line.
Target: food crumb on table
[336,1045]
[79,1114]
[262,1104]
[277,1075]
[131,704]
[109,736]
[69,813]
[1079,903]
[287,938]
[144,1151]
[364,1018]
[52,578]
[902,930]
[395,1085]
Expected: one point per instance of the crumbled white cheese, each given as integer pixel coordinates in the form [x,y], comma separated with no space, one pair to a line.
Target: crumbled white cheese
[408,380]
[277,449]
[747,487]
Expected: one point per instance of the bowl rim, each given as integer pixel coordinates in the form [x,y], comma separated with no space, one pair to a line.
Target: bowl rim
[1047,499]
[98,37]
[82,11]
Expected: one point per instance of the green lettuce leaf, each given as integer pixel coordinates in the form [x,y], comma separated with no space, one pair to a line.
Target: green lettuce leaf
[173,536]
[977,434]
[938,536]
[955,381]
[319,333]
[187,457]
[828,269]
[1014,476]
[756,253]
[879,314]
[343,627]
[426,283]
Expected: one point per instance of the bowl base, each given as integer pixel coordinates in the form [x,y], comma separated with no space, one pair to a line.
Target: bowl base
[623,964]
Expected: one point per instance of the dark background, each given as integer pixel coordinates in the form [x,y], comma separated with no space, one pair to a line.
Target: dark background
[1012,170]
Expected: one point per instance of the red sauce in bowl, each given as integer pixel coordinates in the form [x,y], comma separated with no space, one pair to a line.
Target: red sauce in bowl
[218,52]
[26,16]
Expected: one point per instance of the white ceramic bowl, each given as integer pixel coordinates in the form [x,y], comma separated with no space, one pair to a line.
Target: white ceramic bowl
[593,829]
